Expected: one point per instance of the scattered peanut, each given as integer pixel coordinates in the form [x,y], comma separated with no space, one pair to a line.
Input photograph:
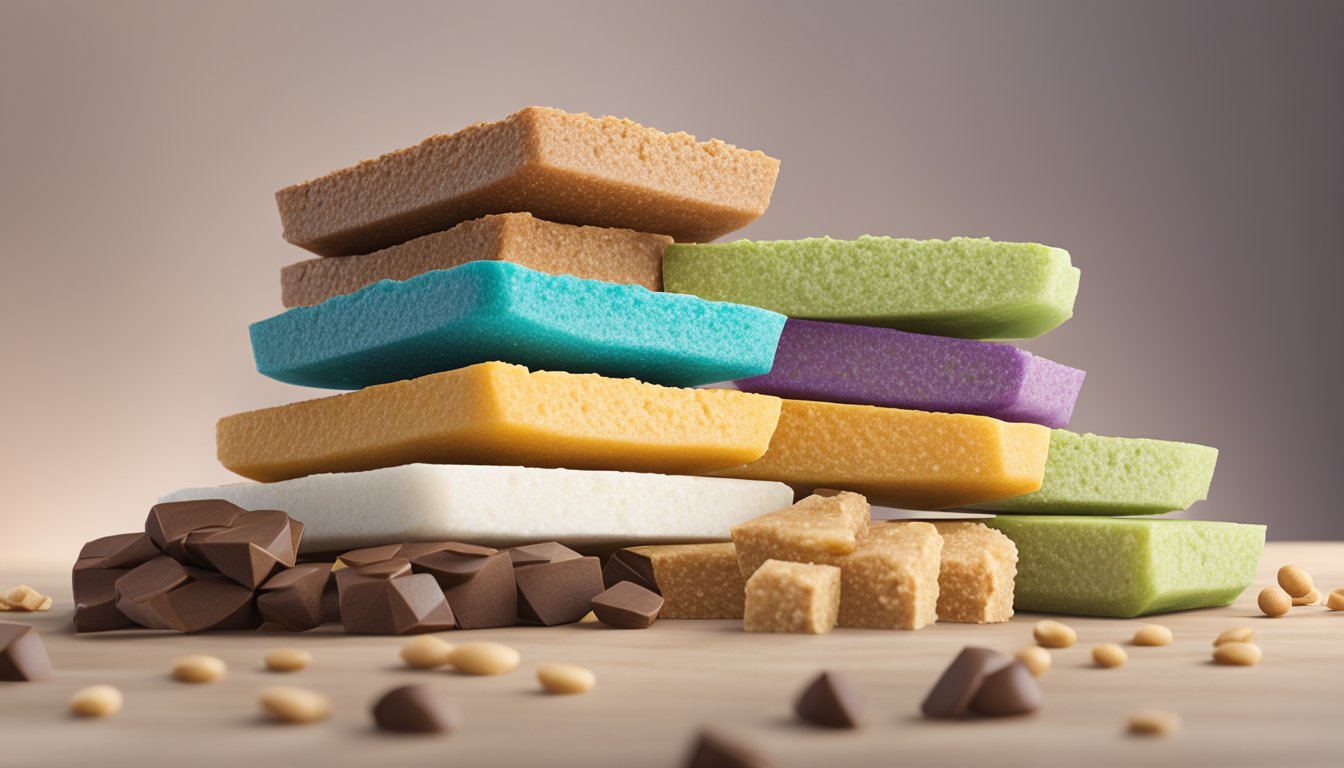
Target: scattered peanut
[1295,581]
[96,701]
[1235,635]
[1109,655]
[1036,658]
[426,652]
[1336,601]
[1152,634]
[1274,602]
[484,658]
[1052,634]
[565,678]
[199,669]
[1237,654]
[1311,598]
[24,598]
[287,659]
[294,705]
[588,618]
[1154,722]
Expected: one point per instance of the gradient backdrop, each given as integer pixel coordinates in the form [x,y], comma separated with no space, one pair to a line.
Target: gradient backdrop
[1187,154]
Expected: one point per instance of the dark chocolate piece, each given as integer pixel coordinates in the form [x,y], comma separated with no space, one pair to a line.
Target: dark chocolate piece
[122,550]
[480,588]
[712,750]
[627,606]
[169,524]
[558,592]
[140,585]
[101,562]
[164,594]
[387,599]
[298,599]
[23,657]
[253,547]
[625,565]
[961,681]
[356,558]
[1009,691]
[832,700]
[417,709]
[544,552]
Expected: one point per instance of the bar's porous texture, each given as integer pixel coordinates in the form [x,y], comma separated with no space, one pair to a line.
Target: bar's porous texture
[697,581]
[495,413]
[818,529]
[567,168]
[891,580]
[1126,567]
[792,597]
[1089,474]
[497,311]
[970,288]
[593,253]
[976,575]
[903,458]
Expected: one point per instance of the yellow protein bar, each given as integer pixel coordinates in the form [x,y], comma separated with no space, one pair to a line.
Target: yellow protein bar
[910,459]
[496,413]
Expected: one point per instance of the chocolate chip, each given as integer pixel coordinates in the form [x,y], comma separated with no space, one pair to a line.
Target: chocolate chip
[832,700]
[164,594]
[712,750]
[146,582]
[387,599]
[356,558]
[627,606]
[123,550]
[625,565]
[23,657]
[545,552]
[1010,691]
[488,597]
[96,598]
[452,564]
[252,548]
[299,598]
[169,524]
[417,709]
[960,682]
[558,592]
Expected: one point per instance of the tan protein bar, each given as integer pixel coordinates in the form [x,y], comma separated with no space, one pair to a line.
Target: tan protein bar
[975,581]
[697,581]
[792,597]
[818,529]
[567,168]
[595,253]
[891,580]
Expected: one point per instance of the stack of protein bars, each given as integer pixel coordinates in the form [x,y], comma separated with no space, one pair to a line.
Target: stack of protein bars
[528,323]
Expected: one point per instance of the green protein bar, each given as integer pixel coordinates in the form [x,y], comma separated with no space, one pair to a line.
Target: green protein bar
[1126,567]
[970,288]
[1094,475]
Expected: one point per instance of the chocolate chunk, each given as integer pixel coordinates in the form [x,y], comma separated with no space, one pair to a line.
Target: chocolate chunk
[417,709]
[122,550]
[558,592]
[96,598]
[253,547]
[545,552]
[1010,691]
[298,599]
[164,594]
[627,606]
[479,588]
[714,751]
[23,657]
[832,700]
[387,599]
[961,681]
[630,566]
[170,523]
[356,558]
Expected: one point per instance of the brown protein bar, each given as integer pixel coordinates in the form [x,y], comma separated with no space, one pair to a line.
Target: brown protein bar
[979,568]
[595,253]
[697,581]
[567,168]
[792,597]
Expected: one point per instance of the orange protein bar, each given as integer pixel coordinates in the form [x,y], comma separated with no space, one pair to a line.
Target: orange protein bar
[569,168]
[496,413]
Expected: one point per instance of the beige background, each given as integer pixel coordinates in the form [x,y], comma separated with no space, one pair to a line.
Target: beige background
[1186,153]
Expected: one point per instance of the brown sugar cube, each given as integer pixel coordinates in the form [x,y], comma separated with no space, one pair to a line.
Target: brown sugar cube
[792,597]
[891,580]
[975,580]
[595,253]
[567,168]
[818,529]
[697,581]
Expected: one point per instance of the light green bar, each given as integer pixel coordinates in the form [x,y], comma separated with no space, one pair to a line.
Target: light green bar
[971,288]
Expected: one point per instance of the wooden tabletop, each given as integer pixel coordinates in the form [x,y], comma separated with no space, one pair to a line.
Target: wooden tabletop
[657,687]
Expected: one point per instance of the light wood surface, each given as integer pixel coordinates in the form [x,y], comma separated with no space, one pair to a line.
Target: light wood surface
[657,687]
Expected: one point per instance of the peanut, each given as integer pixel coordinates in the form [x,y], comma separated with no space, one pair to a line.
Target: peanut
[1154,722]
[484,659]
[1295,581]
[565,678]
[1237,654]
[1274,602]
[287,659]
[96,701]
[426,652]
[1036,658]
[1109,655]
[294,705]
[1053,634]
[199,669]
[1311,598]
[1336,601]
[1235,635]
[1152,634]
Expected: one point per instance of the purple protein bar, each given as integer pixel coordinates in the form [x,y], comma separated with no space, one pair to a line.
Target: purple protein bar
[840,363]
